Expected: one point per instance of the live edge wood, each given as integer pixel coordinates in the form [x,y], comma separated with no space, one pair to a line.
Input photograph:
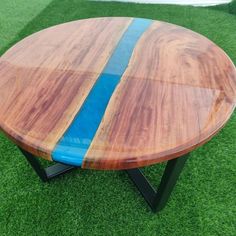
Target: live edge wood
[178,90]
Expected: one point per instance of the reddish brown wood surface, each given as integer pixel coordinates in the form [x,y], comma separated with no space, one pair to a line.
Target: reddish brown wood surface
[45,78]
[178,90]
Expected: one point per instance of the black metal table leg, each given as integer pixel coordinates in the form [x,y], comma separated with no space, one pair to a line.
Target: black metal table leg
[48,173]
[157,199]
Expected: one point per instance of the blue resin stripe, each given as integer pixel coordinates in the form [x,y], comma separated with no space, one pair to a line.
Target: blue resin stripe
[72,147]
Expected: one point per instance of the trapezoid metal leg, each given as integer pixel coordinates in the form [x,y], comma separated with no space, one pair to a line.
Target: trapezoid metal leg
[46,174]
[157,199]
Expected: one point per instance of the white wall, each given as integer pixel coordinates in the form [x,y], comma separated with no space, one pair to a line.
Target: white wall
[180,2]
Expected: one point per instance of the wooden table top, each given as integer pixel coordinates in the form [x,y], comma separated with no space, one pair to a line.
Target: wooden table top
[114,93]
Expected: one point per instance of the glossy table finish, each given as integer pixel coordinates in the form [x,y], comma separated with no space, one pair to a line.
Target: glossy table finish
[114,93]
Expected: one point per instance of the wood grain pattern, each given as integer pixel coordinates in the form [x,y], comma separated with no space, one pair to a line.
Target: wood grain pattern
[178,90]
[46,77]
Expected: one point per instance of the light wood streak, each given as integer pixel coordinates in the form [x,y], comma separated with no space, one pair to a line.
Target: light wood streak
[45,78]
[177,92]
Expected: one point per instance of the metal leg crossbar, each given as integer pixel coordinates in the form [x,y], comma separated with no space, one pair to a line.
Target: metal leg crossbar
[46,174]
[156,199]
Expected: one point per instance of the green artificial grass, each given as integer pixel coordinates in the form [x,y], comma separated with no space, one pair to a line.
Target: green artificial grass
[87,202]
[15,14]
[232,7]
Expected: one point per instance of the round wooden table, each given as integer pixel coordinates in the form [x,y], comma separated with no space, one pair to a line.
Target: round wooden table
[115,93]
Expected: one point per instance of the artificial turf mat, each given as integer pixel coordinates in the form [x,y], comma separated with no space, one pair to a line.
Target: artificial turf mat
[88,202]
